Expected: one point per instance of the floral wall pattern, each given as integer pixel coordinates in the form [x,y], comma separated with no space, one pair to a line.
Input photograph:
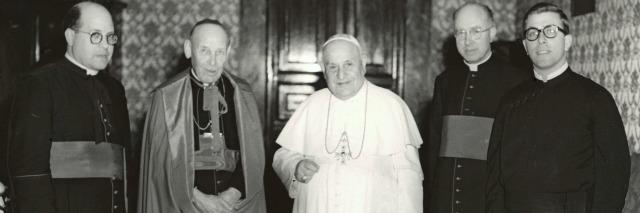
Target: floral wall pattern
[153,32]
[606,49]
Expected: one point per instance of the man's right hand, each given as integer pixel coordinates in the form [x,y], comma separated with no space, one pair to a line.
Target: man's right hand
[210,203]
[2,199]
[305,169]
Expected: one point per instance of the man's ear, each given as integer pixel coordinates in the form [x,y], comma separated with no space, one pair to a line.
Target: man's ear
[187,48]
[524,45]
[364,58]
[568,42]
[69,35]
[492,34]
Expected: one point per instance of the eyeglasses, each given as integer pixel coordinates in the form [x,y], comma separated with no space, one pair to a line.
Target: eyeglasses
[96,37]
[474,33]
[549,31]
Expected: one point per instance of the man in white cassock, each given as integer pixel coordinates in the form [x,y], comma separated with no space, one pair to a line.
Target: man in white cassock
[352,147]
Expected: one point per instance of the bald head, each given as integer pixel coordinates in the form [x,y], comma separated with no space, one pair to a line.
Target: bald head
[83,10]
[343,67]
[475,10]
[207,48]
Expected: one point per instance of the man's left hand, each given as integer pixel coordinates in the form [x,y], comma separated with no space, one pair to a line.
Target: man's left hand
[2,198]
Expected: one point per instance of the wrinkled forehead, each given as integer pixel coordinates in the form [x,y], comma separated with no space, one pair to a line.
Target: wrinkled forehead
[211,34]
[540,20]
[340,50]
[471,16]
[93,18]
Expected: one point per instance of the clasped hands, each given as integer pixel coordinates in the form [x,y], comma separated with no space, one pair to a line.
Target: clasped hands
[305,170]
[224,202]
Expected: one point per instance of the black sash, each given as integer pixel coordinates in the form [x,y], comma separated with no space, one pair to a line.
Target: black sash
[86,159]
[465,136]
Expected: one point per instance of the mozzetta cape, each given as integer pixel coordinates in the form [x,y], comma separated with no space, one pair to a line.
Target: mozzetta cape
[167,163]
[385,177]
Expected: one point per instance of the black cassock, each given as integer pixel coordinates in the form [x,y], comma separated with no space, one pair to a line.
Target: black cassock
[59,104]
[558,146]
[458,183]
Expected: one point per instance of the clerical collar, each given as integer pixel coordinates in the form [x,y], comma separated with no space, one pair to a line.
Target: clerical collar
[551,75]
[198,81]
[89,71]
[474,67]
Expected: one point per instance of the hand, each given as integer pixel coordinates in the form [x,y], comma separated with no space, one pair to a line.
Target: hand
[210,203]
[2,199]
[231,195]
[305,169]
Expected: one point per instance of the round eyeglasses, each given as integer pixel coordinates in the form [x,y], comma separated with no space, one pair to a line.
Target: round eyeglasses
[96,37]
[549,31]
[473,33]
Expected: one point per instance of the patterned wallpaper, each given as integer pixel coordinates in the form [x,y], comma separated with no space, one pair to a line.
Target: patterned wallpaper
[153,32]
[607,50]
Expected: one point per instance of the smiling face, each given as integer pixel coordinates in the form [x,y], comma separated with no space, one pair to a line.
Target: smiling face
[343,68]
[547,54]
[207,48]
[93,18]
[471,18]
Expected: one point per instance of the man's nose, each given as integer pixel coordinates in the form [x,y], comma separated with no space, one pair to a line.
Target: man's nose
[467,39]
[212,61]
[542,39]
[340,74]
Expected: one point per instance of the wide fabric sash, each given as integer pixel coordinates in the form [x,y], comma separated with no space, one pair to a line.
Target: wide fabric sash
[465,136]
[87,159]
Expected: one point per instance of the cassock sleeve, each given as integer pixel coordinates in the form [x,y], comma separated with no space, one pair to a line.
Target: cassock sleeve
[432,150]
[611,155]
[284,164]
[435,129]
[495,189]
[30,147]
[410,178]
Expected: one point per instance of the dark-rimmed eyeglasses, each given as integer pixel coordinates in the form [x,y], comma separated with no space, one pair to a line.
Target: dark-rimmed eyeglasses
[96,37]
[473,33]
[549,31]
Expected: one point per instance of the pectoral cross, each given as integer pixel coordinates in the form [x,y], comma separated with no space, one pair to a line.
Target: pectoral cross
[344,152]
